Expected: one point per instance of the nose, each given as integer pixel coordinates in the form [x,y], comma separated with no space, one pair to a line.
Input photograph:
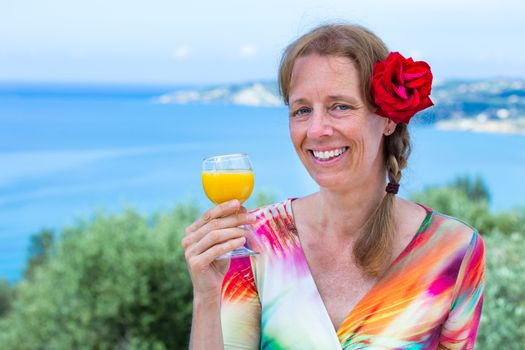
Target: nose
[319,125]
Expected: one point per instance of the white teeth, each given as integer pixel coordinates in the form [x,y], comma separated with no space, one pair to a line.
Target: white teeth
[329,154]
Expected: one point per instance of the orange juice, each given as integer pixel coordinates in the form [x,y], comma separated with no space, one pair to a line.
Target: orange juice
[223,185]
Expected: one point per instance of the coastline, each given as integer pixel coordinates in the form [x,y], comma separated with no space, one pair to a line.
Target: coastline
[513,126]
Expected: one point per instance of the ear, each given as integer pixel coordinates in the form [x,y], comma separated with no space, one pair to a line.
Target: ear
[390,127]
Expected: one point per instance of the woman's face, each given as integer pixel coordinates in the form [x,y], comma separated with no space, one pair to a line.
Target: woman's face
[338,139]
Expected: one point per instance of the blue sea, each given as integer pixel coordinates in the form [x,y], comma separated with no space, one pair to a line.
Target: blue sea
[67,151]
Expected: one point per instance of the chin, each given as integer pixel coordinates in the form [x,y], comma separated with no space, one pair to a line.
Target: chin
[331,183]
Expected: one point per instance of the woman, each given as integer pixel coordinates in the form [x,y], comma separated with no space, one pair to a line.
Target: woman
[353,265]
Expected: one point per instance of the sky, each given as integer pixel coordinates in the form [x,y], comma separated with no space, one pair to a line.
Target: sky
[214,42]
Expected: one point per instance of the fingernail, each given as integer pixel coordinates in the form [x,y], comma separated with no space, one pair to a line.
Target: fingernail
[234,203]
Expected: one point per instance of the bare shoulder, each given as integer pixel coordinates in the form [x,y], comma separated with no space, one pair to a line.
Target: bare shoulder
[303,207]
[410,216]
[410,211]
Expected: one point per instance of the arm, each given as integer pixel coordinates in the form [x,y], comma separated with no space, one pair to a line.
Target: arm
[460,329]
[206,325]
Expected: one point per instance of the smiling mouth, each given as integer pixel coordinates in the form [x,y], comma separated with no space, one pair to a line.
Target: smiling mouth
[325,156]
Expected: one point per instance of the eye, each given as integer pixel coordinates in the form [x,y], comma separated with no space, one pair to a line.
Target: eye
[302,111]
[342,107]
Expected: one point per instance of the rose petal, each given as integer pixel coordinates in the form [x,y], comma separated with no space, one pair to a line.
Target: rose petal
[401,92]
[414,75]
[418,83]
[415,99]
[427,102]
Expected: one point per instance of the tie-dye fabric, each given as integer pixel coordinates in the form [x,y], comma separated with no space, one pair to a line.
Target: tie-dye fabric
[430,297]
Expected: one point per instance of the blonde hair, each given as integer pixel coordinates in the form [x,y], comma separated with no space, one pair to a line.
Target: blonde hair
[373,248]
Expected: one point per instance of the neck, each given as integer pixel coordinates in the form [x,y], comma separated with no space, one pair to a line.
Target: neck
[344,214]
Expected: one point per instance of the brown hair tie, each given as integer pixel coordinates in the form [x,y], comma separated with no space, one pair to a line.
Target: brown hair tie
[392,188]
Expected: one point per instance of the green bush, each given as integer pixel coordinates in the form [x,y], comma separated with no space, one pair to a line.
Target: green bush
[6,296]
[503,319]
[40,247]
[474,188]
[468,200]
[116,282]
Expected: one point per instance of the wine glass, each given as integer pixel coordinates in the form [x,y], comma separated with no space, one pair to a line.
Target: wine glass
[227,177]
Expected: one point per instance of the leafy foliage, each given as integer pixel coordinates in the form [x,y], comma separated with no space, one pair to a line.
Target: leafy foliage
[468,199]
[502,323]
[474,188]
[115,282]
[40,247]
[6,296]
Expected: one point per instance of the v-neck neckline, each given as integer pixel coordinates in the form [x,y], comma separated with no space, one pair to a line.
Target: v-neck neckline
[422,227]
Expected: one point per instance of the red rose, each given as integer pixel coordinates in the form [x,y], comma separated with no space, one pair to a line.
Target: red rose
[401,87]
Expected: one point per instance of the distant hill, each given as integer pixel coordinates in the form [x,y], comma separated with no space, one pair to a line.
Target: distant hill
[491,105]
[488,105]
[259,94]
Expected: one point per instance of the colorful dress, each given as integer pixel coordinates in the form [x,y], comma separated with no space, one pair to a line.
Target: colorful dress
[430,297]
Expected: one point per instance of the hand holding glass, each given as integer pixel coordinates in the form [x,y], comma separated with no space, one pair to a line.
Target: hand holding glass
[228,177]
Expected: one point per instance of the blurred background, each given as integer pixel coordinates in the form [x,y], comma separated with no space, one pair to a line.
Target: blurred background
[108,108]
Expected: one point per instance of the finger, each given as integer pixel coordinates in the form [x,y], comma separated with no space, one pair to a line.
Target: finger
[232,221]
[223,209]
[217,250]
[192,237]
[216,237]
